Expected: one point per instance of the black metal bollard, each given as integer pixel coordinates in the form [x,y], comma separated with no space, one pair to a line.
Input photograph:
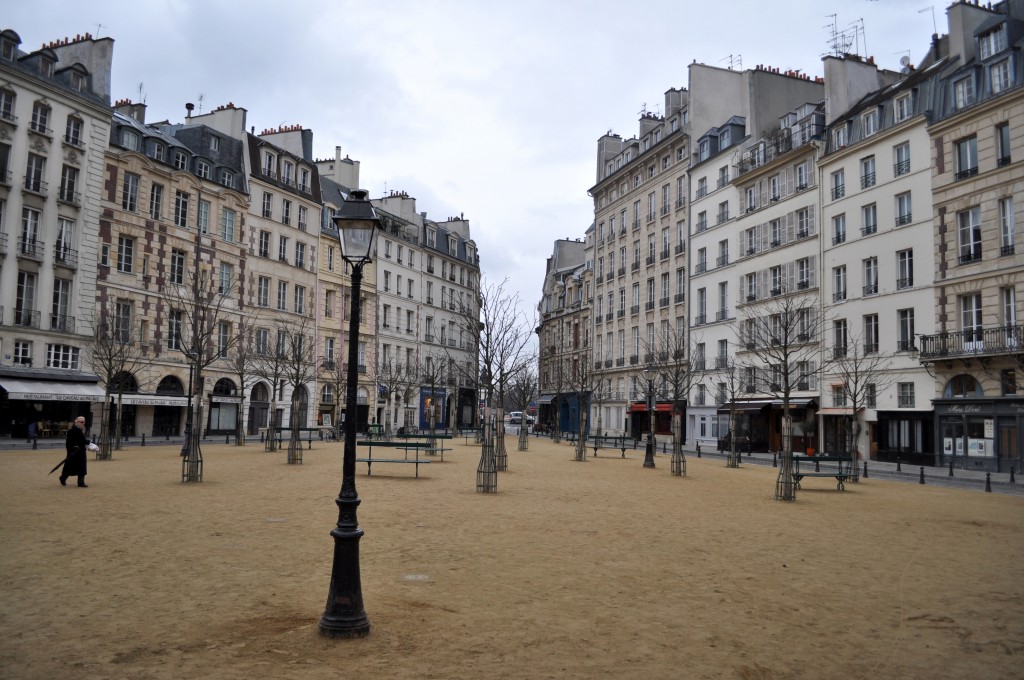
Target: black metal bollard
[817,465]
[143,438]
[922,475]
[898,468]
[739,457]
[865,469]
[227,439]
[775,462]
[951,468]
[698,449]
[988,482]
[309,441]
[1012,480]
[35,443]
[168,436]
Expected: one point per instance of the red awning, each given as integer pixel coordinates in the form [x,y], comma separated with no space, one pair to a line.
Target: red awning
[641,407]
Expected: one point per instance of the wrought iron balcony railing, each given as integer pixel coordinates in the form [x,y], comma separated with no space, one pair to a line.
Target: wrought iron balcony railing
[973,342]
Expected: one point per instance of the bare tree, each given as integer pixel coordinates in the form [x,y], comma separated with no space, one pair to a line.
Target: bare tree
[581,383]
[780,344]
[300,370]
[729,377]
[521,392]
[240,364]
[270,363]
[862,372]
[432,376]
[115,353]
[678,368]
[396,380]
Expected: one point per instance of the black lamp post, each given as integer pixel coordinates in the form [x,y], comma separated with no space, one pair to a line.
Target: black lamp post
[344,615]
[649,455]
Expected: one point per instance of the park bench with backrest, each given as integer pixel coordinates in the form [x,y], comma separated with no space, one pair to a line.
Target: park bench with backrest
[401,446]
[468,432]
[435,442]
[611,442]
[840,467]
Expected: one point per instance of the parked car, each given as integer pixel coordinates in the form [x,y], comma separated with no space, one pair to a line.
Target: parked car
[516,417]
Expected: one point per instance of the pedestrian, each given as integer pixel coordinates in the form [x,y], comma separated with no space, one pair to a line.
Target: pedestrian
[33,431]
[75,463]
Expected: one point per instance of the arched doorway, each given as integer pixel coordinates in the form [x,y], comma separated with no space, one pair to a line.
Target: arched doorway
[224,402]
[259,407]
[167,419]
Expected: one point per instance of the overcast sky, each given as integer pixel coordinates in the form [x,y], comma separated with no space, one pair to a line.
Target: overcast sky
[489,108]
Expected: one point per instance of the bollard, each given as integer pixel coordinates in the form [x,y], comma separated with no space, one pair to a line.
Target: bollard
[898,468]
[988,482]
[1012,480]
[698,449]
[739,457]
[35,444]
[227,439]
[922,475]
[865,469]
[143,438]
[168,436]
[775,463]
[817,465]
[950,468]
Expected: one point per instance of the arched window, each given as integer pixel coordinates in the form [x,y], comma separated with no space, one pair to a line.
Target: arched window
[123,383]
[327,394]
[170,385]
[963,385]
[225,387]
[300,395]
[260,393]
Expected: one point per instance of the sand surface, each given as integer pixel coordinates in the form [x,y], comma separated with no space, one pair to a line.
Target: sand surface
[596,569]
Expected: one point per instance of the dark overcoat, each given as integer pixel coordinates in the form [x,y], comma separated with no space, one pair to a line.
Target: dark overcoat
[75,444]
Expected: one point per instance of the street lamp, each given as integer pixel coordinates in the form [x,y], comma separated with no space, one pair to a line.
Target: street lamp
[344,615]
[649,455]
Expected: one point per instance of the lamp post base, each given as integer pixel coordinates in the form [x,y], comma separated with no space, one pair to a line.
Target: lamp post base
[344,616]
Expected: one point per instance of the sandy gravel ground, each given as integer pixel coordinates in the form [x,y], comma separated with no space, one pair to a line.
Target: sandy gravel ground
[599,569]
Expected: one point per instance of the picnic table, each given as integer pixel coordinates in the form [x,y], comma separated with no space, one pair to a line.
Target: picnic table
[842,471]
[402,446]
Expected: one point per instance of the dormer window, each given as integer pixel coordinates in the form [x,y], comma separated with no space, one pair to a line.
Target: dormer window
[45,68]
[963,92]
[180,160]
[157,152]
[999,76]
[214,143]
[269,163]
[227,179]
[870,123]
[288,172]
[901,108]
[724,138]
[303,179]
[705,149]
[992,42]
[839,136]
[8,49]
[77,81]
[129,139]
[203,169]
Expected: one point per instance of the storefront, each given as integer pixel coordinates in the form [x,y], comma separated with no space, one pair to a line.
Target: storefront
[979,434]
[433,402]
[640,423]
[50,403]
[156,415]
[758,425]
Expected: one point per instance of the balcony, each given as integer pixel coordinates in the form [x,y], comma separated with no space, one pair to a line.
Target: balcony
[970,256]
[803,284]
[650,260]
[839,352]
[751,297]
[721,362]
[867,180]
[649,305]
[700,320]
[839,296]
[65,257]
[609,316]
[636,223]
[428,337]
[871,289]
[680,248]
[635,309]
[62,323]
[839,238]
[622,313]
[722,217]
[803,387]
[906,218]
[607,363]
[776,243]
[621,361]
[838,191]
[69,197]
[681,202]
[700,267]
[722,261]
[26,318]
[722,315]
[622,270]
[803,233]
[30,250]
[702,225]
[964,174]
[1006,250]
[775,292]
[634,359]
[597,364]
[903,167]
[328,364]
[1003,161]
[665,253]
[36,186]
[903,283]
[679,297]
[871,348]
[663,302]
[697,363]
[905,345]
[905,401]
[650,217]
[973,342]
[666,209]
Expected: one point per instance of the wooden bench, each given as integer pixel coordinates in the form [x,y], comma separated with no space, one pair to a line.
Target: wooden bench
[843,469]
[432,441]
[616,443]
[404,446]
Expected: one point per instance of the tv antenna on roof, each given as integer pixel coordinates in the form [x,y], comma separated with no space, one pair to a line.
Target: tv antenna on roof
[735,60]
[935,27]
[200,102]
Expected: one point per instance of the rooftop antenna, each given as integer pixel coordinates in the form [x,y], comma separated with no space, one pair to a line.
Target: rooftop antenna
[643,110]
[935,27]
[735,60]
[98,27]
[142,99]
[863,35]
[200,102]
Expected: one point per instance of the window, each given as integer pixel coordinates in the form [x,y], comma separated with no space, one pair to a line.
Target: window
[40,117]
[268,204]
[263,291]
[203,218]
[65,243]
[871,334]
[73,131]
[969,232]
[723,211]
[963,92]
[902,108]
[904,212]
[180,209]
[226,278]
[300,299]
[992,42]
[904,329]
[130,192]
[35,170]
[1006,226]
[203,169]
[838,184]
[300,254]
[801,177]
[839,229]
[966,157]
[62,356]
[264,245]
[69,185]
[288,175]
[869,215]
[999,76]
[22,353]
[123,321]
[869,122]
[282,295]
[227,178]
[1008,381]
[751,287]
[904,269]
[286,211]
[839,283]
[905,394]
[303,212]
[838,396]
[1008,303]
[839,136]
[177,273]
[1003,144]
[970,319]
[125,254]
[330,258]
[156,200]
[724,138]
[180,160]
[282,248]
[803,273]
[901,159]
[223,339]
[723,176]
[227,224]
[867,172]
[839,338]
[871,276]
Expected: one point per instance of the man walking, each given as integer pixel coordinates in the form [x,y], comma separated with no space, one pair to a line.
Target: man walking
[75,463]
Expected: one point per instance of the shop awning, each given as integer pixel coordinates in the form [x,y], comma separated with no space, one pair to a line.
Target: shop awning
[745,405]
[641,407]
[837,411]
[151,400]
[50,390]
[545,399]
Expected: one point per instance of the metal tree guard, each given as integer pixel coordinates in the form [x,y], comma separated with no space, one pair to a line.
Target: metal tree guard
[487,471]
[785,488]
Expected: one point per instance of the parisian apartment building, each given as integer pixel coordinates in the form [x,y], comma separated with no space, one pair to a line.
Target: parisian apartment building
[107,217]
[772,241]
